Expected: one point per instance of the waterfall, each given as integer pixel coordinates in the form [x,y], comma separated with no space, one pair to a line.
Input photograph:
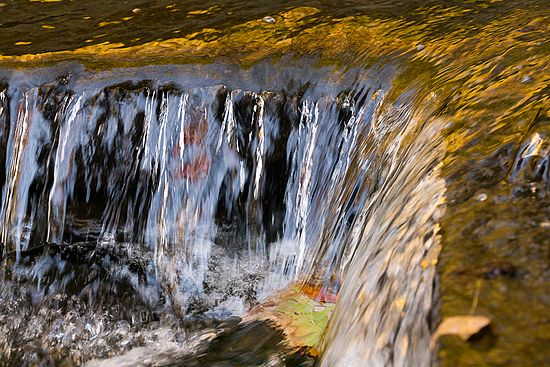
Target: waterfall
[205,185]
[274,183]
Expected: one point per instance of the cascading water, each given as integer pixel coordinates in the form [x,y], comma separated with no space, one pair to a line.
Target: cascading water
[180,181]
[154,190]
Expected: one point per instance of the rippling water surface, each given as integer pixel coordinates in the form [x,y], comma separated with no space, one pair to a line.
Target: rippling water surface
[278,184]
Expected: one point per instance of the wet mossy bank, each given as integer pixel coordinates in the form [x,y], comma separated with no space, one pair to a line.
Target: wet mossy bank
[489,83]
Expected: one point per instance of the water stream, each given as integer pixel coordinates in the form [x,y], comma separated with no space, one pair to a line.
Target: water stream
[163,186]
[146,209]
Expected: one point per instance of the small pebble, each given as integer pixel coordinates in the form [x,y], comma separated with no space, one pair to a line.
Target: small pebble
[269,19]
[482,197]
[136,10]
[420,47]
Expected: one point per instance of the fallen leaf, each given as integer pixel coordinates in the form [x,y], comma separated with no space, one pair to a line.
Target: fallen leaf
[303,319]
[463,326]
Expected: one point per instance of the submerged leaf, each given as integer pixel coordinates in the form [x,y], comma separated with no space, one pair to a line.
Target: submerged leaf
[302,318]
[463,326]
